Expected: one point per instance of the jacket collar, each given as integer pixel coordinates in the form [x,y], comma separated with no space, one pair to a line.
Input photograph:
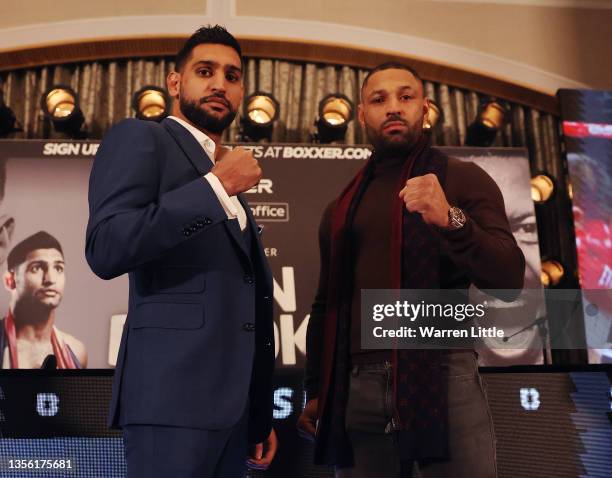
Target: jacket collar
[190,146]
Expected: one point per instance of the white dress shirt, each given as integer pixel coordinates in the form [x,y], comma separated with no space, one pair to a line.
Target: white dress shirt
[231,205]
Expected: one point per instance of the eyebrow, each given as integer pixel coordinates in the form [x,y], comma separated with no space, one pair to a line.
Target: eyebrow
[401,88]
[40,261]
[216,64]
[523,216]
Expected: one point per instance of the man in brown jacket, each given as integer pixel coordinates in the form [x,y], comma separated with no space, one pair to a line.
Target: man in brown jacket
[411,219]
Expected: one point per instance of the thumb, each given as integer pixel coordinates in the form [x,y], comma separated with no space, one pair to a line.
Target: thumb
[258,451]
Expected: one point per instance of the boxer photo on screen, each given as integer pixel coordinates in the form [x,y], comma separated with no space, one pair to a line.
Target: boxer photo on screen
[36,279]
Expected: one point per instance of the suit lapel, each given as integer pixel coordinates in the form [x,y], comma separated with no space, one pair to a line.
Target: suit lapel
[259,251]
[192,149]
[233,228]
[202,164]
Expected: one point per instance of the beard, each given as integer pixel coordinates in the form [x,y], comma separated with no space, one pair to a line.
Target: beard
[193,111]
[393,145]
[31,310]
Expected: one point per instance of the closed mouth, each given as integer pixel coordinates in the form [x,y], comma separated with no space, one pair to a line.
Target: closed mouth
[217,103]
[394,124]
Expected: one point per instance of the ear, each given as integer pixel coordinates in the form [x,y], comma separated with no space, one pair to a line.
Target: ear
[6,235]
[426,123]
[173,82]
[9,281]
[241,93]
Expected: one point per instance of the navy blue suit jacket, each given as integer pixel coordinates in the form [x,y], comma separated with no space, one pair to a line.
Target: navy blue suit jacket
[198,340]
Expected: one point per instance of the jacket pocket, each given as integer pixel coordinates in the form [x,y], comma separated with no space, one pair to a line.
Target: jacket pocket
[179,280]
[168,315]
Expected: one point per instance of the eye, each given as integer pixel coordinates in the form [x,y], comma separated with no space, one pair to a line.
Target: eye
[204,72]
[529,228]
[526,232]
[405,97]
[378,99]
[34,268]
[232,77]
[59,268]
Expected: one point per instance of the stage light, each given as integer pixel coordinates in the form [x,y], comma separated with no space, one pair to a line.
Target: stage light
[262,109]
[542,188]
[335,113]
[61,105]
[489,120]
[433,117]
[151,103]
[552,273]
[8,121]
[261,112]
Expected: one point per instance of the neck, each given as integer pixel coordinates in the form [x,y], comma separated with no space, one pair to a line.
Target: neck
[31,326]
[389,159]
[400,154]
[35,331]
[214,136]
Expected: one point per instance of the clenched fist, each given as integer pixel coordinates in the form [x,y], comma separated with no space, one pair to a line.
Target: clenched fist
[424,195]
[307,423]
[237,170]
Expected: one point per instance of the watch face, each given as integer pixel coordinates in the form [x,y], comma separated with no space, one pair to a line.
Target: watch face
[456,217]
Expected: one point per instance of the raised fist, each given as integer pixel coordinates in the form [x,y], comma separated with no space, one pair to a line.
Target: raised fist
[237,170]
[423,194]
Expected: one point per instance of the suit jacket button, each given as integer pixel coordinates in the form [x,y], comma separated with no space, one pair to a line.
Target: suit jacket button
[248,279]
[207,221]
[186,232]
[200,224]
[193,228]
[248,327]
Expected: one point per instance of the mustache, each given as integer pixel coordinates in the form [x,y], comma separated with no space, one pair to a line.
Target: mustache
[394,119]
[216,96]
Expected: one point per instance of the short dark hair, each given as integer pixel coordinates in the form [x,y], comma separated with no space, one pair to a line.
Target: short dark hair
[392,65]
[209,34]
[40,240]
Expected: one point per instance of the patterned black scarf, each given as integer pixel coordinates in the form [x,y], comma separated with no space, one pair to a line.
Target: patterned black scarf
[420,392]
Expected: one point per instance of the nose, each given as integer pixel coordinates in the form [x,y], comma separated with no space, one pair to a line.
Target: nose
[49,277]
[393,108]
[217,82]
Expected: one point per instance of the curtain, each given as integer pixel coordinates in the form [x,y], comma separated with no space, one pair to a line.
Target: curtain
[105,92]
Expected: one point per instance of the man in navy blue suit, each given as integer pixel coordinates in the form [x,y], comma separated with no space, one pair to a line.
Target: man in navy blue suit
[193,383]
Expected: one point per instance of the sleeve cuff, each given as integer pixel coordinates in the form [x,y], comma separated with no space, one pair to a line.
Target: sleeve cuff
[224,199]
[458,234]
